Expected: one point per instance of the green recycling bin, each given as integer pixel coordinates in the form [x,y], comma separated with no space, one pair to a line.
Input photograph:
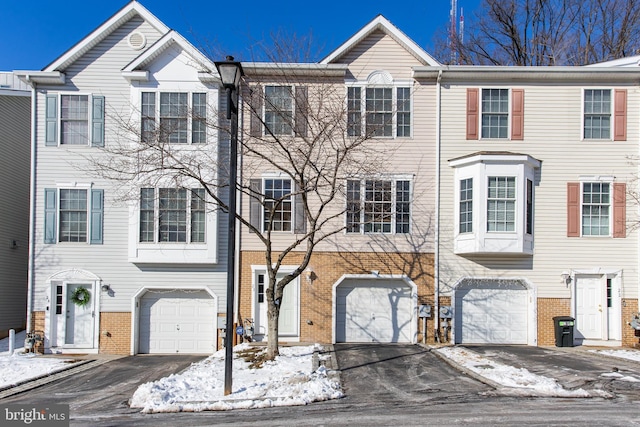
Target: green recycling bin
[564,330]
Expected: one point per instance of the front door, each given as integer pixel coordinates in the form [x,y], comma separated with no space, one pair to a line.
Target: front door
[289,317]
[598,306]
[79,322]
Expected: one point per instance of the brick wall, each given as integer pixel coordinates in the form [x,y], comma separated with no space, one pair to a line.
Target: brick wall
[629,337]
[115,333]
[37,324]
[316,297]
[548,308]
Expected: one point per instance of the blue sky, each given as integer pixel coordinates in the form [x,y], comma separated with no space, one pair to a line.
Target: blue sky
[35,33]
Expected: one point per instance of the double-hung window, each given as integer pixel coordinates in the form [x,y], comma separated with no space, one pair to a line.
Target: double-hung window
[278,205]
[74,119]
[501,203]
[174,117]
[172,215]
[378,206]
[495,113]
[597,113]
[278,109]
[596,208]
[380,111]
[73,215]
[466,206]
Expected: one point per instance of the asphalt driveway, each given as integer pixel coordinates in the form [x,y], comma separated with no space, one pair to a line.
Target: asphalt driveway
[400,374]
[105,388]
[571,367]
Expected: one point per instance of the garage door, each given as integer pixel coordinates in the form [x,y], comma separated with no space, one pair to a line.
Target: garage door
[374,311]
[177,322]
[491,312]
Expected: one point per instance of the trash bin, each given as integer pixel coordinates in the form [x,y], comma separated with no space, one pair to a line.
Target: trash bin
[564,330]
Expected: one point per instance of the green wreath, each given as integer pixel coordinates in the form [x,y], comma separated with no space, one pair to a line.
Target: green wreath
[81,296]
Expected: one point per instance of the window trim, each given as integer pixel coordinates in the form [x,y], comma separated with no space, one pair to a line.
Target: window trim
[509,113]
[267,130]
[394,205]
[53,119]
[596,180]
[395,85]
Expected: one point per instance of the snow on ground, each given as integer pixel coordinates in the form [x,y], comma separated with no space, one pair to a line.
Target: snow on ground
[520,380]
[24,366]
[286,381]
[622,354]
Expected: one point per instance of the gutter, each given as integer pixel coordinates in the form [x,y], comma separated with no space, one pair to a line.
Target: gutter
[32,204]
[436,261]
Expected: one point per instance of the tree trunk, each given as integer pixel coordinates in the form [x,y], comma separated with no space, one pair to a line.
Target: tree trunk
[273,314]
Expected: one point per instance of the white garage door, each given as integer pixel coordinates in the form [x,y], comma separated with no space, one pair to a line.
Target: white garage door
[492,312]
[374,311]
[177,322]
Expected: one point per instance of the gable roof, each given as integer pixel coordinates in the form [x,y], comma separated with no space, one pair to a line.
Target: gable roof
[123,15]
[135,69]
[380,23]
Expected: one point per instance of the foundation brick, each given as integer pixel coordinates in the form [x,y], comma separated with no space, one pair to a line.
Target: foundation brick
[115,333]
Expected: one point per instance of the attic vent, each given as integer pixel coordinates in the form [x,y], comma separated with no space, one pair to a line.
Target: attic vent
[137,40]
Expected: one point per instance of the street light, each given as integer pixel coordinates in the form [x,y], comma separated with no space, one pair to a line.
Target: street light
[231,73]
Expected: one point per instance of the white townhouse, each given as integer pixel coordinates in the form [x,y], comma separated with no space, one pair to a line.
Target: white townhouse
[537,213]
[15,131]
[118,268]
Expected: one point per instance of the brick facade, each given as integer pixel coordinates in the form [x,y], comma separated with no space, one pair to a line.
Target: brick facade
[316,296]
[548,308]
[629,337]
[115,333]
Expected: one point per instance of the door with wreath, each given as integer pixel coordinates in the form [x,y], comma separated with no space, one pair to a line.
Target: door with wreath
[80,316]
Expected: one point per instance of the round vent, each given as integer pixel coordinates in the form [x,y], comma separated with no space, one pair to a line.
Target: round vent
[137,40]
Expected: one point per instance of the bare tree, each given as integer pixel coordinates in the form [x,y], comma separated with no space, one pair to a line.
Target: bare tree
[300,131]
[549,32]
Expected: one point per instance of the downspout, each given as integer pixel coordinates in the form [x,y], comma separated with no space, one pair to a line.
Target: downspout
[436,267]
[32,205]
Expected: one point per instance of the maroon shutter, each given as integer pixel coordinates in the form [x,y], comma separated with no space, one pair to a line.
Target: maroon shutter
[472,113]
[517,114]
[573,209]
[620,115]
[619,210]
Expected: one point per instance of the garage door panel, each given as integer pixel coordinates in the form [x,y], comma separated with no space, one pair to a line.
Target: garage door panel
[177,322]
[492,314]
[374,312]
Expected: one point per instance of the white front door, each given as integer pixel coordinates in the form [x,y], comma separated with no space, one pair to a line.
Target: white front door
[289,321]
[79,322]
[590,305]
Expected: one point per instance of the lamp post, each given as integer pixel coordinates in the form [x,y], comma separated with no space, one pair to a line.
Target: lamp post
[230,73]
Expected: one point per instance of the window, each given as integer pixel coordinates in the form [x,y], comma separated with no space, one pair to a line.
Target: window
[495,113]
[74,119]
[59,299]
[501,203]
[597,114]
[596,201]
[278,206]
[176,215]
[278,110]
[174,117]
[260,289]
[466,205]
[529,211]
[73,215]
[387,111]
[378,206]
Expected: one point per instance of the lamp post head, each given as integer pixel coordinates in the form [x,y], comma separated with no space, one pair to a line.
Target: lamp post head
[230,72]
